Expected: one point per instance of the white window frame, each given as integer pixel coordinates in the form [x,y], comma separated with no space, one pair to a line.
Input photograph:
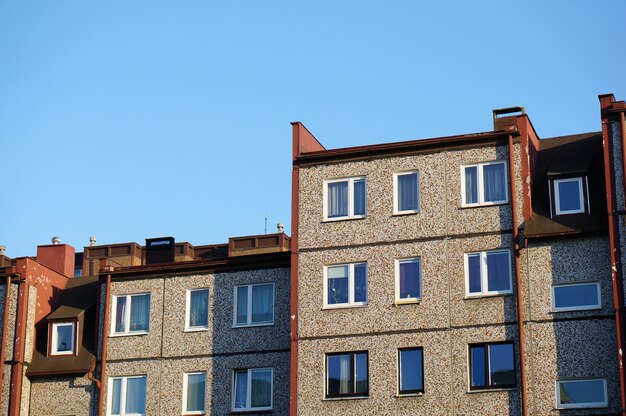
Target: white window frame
[249,307]
[127,330]
[397,262]
[576,308]
[480,185]
[396,195]
[351,302]
[351,214]
[123,395]
[248,407]
[484,276]
[560,405]
[185,392]
[581,195]
[53,342]
[189,328]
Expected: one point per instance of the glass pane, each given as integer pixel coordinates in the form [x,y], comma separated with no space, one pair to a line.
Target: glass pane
[498,271]
[360,282]
[242,305]
[65,335]
[579,392]
[116,392]
[136,395]
[359,197]
[501,367]
[473,268]
[477,357]
[407,192]
[410,279]
[120,314]
[337,284]
[261,388]
[262,303]
[139,312]
[196,392]
[471,185]
[338,374]
[493,182]
[569,196]
[411,377]
[360,369]
[338,199]
[199,308]
[576,296]
[241,389]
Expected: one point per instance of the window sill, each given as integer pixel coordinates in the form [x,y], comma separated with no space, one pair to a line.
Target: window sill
[325,220]
[130,334]
[494,204]
[488,295]
[252,325]
[404,395]
[404,213]
[343,306]
[581,309]
[203,329]
[250,411]
[412,301]
[491,390]
[334,399]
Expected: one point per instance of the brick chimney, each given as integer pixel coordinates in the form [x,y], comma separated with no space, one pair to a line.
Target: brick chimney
[58,257]
[506,118]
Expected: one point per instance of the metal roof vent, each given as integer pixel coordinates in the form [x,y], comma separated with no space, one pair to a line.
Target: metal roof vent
[159,250]
[56,240]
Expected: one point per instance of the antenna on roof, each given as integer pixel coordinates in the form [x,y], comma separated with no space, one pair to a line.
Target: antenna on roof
[265,224]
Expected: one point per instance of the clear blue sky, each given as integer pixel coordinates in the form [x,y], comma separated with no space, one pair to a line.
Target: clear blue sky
[136,119]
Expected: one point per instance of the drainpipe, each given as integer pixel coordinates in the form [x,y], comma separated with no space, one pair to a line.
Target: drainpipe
[518,279]
[17,372]
[5,325]
[105,338]
[293,369]
[90,375]
[622,122]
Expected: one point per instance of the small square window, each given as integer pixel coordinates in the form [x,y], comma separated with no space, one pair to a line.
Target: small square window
[484,184]
[569,196]
[406,192]
[492,366]
[408,280]
[63,338]
[197,310]
[127,396]
[347,374]
[131,314]
[410,371]
[576,297]
[252,389]
[345,285]
[344,198]
[581,394]
[194,393]
[254,305]
[488,273]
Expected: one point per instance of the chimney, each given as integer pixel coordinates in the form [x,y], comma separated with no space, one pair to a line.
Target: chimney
[159,250]
[59,257]
[506,118]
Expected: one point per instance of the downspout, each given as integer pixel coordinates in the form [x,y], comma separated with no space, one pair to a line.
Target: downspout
[90,375]
[17,371]
[5,325]
[105,338]
[622,122]
[518,279]
[293,302]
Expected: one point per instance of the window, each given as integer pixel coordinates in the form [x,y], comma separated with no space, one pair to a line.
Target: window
[492,366]
[344,198]
[484,184]
[345,285]
[569,197]
[254,305]
[253,389]
[63,338]
[197,310]
[127,396]
[408,280]
[576,297]
[581,394]
[488,272]
[194,393]
[410,371]
[406,192]
[131,314]
[346,374]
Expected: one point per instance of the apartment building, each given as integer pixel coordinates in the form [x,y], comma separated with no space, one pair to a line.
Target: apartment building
[463,275]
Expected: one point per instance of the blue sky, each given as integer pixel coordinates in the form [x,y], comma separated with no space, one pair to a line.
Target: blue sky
[136,119]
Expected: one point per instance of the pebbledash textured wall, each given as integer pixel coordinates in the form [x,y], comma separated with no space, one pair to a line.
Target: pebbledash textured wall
[71,396]
[167,352]
[7,343]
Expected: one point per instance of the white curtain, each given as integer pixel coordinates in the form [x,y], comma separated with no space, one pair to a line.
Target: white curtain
[199,308]
[136,395]
[120,314]
[116,391]
[140,313]
[471,185]
[337,199]
[262,303]
[493,182]
[344,374]
[261,395]
[196,392]
[407,192]
[241,389]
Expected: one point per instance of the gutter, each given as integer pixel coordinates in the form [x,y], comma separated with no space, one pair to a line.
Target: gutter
[105,338]
[17,370]
[5,325]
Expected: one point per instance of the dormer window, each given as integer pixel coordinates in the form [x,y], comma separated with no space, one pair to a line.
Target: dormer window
[63,338]
[570,196]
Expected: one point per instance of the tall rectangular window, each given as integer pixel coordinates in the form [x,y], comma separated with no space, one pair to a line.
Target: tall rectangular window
[569,196]
[127,396]
[484,184]
[344,198]
[194,393]
[63,340]
[488,272]
[131,314]
[410,371]
[347,374]
[252,389]
[576,297]
[580,394]
[492,366]
[406,192]
[254,305]
[408,280]
[197,310]
[345,285]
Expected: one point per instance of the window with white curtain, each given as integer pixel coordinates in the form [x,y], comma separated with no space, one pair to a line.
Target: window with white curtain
[63,336]
[484,184]
[194,393]
[347,374]
[344,198]
[130,314]
[406,192]
[488,272]
[127,396]
[252,389]
[254,305]
[345,285]
[197,310]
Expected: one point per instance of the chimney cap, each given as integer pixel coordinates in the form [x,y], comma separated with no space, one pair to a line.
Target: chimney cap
[56,240]
[92,240]
[280,227]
